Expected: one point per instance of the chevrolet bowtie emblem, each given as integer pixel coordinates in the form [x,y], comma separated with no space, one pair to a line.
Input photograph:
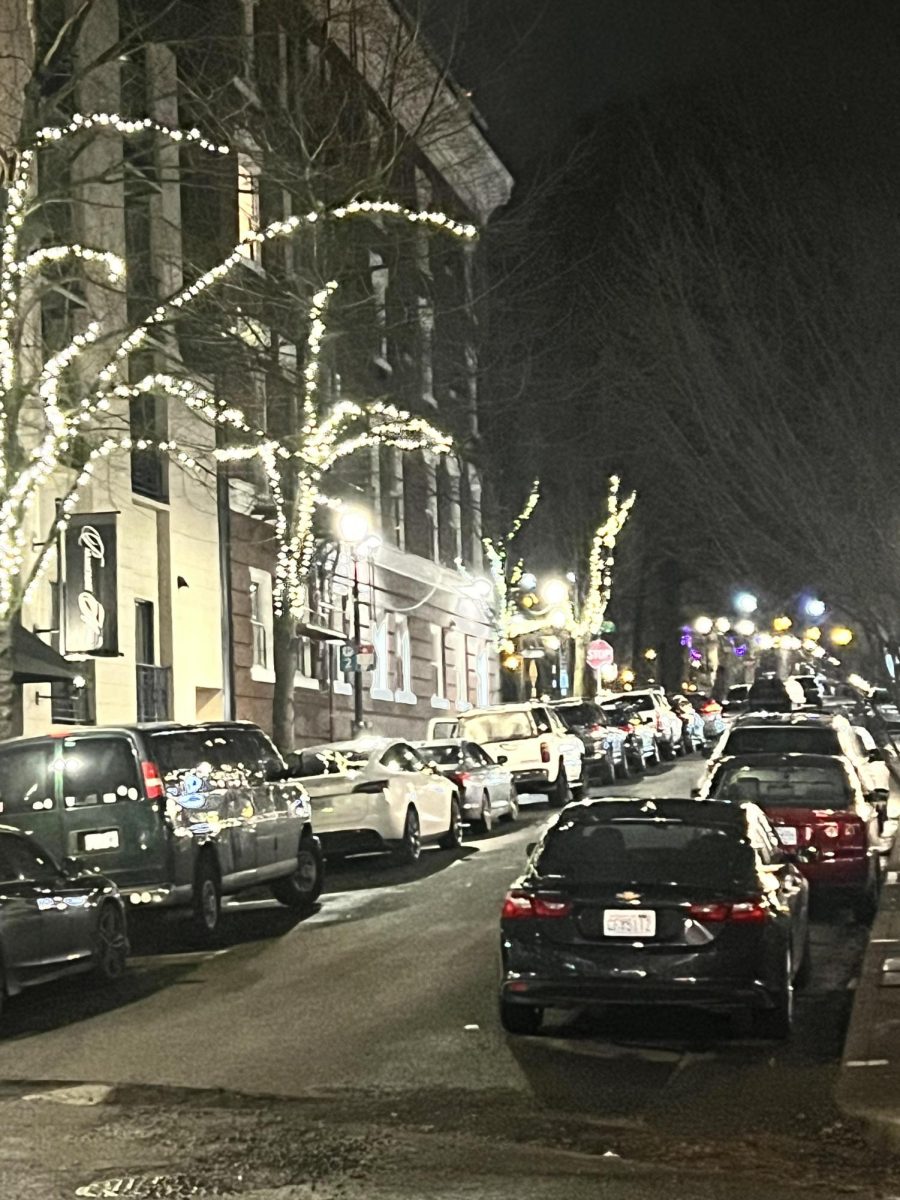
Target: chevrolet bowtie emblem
[628,897]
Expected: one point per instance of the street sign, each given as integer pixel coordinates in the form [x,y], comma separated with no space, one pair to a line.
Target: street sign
[347,657]
[608,627]
[599,654]
[531,654]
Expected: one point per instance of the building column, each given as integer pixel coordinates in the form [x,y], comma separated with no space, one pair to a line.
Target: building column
[475,549]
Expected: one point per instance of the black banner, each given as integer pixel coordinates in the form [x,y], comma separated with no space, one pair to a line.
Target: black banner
[91,591]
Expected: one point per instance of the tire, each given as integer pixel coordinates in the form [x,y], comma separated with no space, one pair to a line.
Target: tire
[687,745]
[638,766]
[301,889]
[486,820]
[623,770]
[111,953]
[561,793]
[804,971]
[520,1018]
[777,1022]
[410,849]
[207,901]
[453,838]
[513,814]
[655,757]
[667,750]
[609,769]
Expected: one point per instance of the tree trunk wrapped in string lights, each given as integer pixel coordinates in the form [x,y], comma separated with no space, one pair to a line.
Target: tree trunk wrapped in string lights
[62,412]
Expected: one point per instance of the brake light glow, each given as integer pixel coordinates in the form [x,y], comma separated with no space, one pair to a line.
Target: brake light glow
[853,830]
[153,783]
[545,752]
[526,904]
[744,911]
[460,778]
[712,706]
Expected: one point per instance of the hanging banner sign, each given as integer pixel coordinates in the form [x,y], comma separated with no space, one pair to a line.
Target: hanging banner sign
[91,587]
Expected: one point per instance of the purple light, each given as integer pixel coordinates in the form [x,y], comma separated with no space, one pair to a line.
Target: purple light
[696,656]
[686,639]
[740,651]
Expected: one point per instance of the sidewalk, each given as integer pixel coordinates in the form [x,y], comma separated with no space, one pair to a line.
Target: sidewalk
[868,1084]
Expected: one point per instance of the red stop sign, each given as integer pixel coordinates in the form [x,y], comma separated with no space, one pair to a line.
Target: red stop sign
[600,654]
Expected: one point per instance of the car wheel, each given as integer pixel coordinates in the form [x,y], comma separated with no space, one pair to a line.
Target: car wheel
[452,839]
[301,889]
[520,1018]
[609,768]
[486,821]
[865,902]
[637,764]
[561,793]
[804,971]
[687,745]
[655,757]
[111,949]
[410,848]
[513,814]
[666,750]
[207,902]
[777,1022]
[623,770]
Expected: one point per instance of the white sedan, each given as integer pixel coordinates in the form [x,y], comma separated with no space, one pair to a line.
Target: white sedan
[378,794]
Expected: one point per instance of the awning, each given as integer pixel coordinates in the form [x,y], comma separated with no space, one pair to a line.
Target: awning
[36,662]
[320,633]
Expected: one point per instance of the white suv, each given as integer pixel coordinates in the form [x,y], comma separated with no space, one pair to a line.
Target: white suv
[653,710]
[540,752]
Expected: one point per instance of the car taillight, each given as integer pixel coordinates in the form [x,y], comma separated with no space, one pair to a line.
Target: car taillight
[711,707]
[627,728]
[853,830]
[525,904]
[545,752]
[745,911]
[460,778]
[659,723]
[153,783]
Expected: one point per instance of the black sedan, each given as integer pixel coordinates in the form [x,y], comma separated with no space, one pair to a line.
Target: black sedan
[655,902]
[54,920]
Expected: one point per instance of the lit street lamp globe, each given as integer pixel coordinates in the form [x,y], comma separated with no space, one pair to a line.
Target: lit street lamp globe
[746,603]
[554,591]
[353,525]
[815,608]
[744,628]
[703,625]
[722,625]
[841,636]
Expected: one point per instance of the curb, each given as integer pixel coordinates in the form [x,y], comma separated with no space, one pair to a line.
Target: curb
[868,1082]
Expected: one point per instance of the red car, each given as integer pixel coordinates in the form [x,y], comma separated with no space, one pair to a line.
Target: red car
[817,807]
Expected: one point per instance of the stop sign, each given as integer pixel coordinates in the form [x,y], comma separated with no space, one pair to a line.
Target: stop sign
[600,654]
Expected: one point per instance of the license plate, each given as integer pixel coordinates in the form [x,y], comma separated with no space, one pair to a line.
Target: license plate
[786,834]
[629,922]
[108,839]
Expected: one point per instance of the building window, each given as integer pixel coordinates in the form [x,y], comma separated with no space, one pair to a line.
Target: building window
[381,671]
[153,682]
[74,703]
[483,677]
[149,465]
[403,693]
[262,629]
[380,279]
[144,638]
[248,207]
[439,667]
[462,673]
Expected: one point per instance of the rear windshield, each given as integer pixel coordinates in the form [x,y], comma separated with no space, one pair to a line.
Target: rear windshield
[782,739]
[498,726]
[580,714]
[330,761]
[642,703]
[190,750]
[82,771]
[444,756]
[789,786]
[646,852]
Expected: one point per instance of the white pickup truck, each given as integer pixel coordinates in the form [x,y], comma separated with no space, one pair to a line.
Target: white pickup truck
[540,752]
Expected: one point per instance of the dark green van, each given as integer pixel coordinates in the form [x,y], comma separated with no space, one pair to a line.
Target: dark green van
[176,815]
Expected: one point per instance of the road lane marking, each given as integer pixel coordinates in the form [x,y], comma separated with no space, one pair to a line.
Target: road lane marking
[867,1062]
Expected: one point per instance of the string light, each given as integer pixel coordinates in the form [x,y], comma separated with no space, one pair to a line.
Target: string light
[322,442]
[498,564]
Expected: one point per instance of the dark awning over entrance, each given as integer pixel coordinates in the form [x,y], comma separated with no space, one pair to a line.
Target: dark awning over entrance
[36,662]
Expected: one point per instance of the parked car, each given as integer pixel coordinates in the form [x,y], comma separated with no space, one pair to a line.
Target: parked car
[737,699]
[175,815]
[653,709]
[770,693]
[819,812]
[378,794]
[655,902]
[543,755]
[605,755]
[640,736]
[56,919]
[804,733]
[710,711]
[693,731]
[812,691]
[485,786]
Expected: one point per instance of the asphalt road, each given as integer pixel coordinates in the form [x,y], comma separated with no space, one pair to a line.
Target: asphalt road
[384,1003]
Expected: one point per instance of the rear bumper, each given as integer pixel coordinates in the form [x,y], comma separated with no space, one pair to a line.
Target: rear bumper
[720,994]
[531,777]
[837,872]
[354,841]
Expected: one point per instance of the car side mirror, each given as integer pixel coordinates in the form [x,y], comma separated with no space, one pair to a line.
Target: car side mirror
[275,773]
[502,760]
[72,866]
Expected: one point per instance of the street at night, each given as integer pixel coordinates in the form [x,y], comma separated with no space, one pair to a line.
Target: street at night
[380,1011]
